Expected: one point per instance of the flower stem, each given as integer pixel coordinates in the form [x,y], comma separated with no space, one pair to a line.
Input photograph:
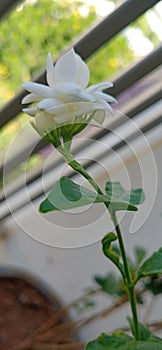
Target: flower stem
[129,282]
[128,279]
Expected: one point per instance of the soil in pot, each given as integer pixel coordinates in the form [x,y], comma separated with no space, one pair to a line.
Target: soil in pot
[29,320]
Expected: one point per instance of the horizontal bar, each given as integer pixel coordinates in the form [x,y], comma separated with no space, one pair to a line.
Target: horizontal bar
[137,71]
[94,39]
[6,6]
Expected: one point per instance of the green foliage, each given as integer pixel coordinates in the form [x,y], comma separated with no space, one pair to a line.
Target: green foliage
[121,199]
[66,194]
[140,254]
[117,193]
[153,284]
[151,266]
[110,284]
[116,55]
[23,51]
[122,341]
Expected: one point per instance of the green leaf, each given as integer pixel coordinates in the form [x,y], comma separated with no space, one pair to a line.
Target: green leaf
[154,284]
[134,196]
[121,199]
[110,252]
[144,332]
[114,189]
[66,194]
[110,284]
[140,254]
[119,205]
[151,266]
[122,341]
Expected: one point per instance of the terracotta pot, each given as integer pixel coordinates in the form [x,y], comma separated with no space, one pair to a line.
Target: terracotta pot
[31,316]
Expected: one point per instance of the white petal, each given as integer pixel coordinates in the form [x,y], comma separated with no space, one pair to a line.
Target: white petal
[66,113]
[65,69]
[50,70]
[38,89]
[64,118]
[106,97]
[30,98]
[87,97]
[45,122]
[82,72]
[66,88]
[75,108]
[31,111]
[100,86]
[99,117]
[48,103]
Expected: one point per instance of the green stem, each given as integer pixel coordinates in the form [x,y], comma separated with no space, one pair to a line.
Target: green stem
[129,283]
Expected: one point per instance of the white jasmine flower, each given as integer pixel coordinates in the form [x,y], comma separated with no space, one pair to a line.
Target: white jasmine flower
[66,97]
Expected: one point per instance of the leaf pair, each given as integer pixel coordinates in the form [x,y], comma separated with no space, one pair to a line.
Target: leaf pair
[66,194]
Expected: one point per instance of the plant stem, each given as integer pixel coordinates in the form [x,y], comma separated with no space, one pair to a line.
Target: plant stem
[128,281]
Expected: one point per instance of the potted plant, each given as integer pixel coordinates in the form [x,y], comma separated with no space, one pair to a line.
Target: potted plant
[31,316]
[60,111]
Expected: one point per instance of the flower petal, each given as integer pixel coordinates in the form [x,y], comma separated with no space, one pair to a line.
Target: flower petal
[87,97]
[38,89]
[82,72]
[66,88]
[45,122]
[100,86]
[30,98]
[31,111]
[48,103]
[74,109]
[50,70]
[65,69]
[106,97]
[99,117]
[67,112]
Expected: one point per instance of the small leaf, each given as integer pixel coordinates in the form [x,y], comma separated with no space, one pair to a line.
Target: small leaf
[121,199]
[154,284]
[119,205]
[122,341]
[83,305]
[114,189]
[111,253]
[140,254]
[66,194]
[151,266]
[134,196]
[110,284]
[144,332]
